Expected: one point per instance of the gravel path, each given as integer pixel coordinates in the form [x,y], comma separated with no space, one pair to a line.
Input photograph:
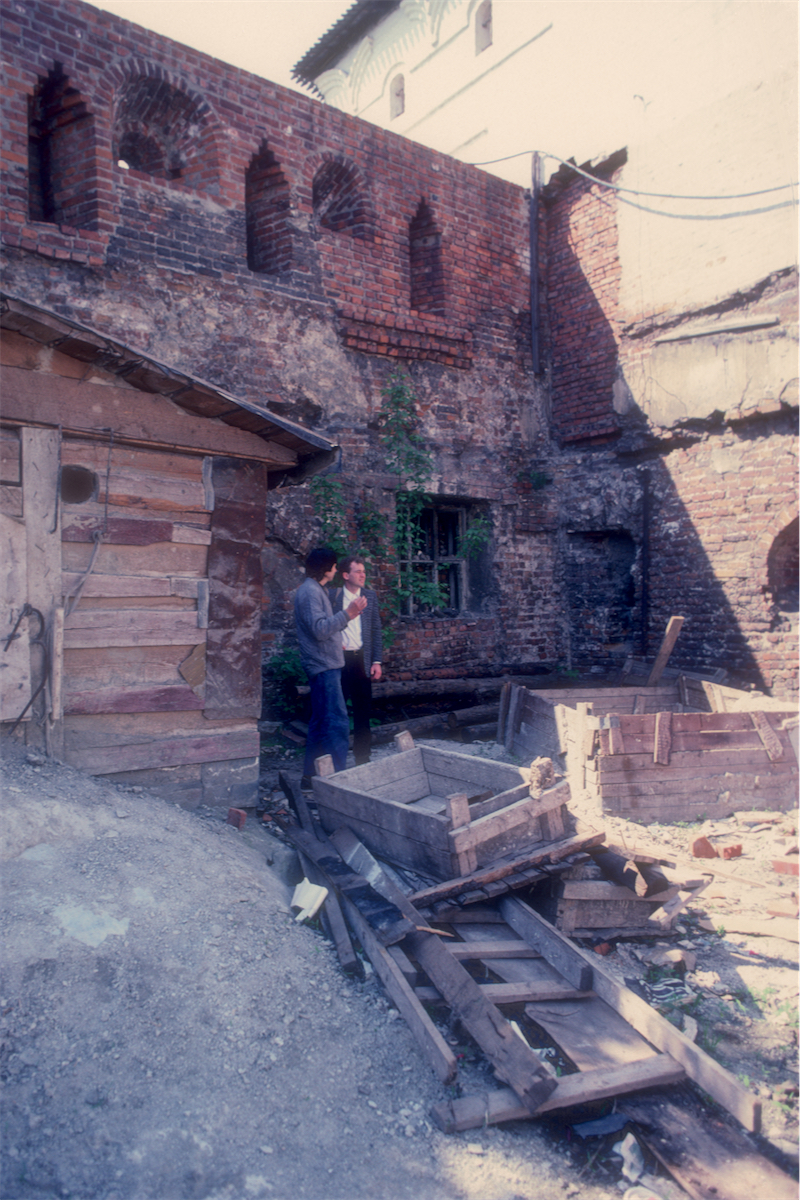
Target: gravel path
[169,1031]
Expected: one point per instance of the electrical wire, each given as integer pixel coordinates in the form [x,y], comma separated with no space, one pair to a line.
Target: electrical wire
[651,195]
[750,212]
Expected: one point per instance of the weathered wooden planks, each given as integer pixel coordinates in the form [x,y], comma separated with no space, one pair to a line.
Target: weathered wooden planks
[40,451]
[392,806]
[29,396]
[132,700]
[123,728]
[130,627]
[161,559]
[713,1078]
[513,1060]
[175,751]
[233,644]
[709,1159]
[386,919]
[15,659]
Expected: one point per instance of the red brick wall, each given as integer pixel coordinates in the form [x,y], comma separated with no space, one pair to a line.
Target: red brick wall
[583,274]
[719,506]
[262,240]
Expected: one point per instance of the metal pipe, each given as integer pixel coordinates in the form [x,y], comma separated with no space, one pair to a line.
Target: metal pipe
[645,559]
[536,187]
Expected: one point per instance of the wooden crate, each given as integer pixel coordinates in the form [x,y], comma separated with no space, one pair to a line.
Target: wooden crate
[440,813]
[642,753]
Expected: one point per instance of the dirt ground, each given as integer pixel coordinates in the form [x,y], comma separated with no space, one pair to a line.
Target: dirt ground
[169,1030]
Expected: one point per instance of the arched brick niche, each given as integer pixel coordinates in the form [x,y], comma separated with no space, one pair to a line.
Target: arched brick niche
[783,568]
[425,262]
[339,199]
[267,209]
[162,131]
[62,184]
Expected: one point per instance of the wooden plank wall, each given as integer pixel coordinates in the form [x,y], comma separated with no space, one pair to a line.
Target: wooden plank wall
[694,764]
[635,752]
[130,712]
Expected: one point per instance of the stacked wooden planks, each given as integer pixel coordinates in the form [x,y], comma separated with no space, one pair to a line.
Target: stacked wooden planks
[141,679]
[635,752]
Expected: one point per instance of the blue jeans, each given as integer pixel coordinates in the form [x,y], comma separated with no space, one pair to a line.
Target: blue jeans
[329,727]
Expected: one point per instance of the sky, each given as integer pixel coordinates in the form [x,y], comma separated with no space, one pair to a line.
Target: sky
[266,37]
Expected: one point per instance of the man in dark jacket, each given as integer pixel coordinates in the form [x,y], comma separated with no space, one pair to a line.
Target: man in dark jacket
[319,638]
[363,650]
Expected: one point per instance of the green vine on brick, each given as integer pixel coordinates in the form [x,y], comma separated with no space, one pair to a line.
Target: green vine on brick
[395,546]
[408,456]
[330,508]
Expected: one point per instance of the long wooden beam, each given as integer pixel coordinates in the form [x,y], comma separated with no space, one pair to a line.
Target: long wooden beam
[514,1061]
[572,962]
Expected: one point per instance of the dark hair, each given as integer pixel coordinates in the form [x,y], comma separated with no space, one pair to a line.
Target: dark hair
[344,564]
[319,561]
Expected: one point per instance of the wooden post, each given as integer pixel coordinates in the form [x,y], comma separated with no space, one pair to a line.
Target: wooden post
[662,743]
[40,456]
[667,646]
[403,740]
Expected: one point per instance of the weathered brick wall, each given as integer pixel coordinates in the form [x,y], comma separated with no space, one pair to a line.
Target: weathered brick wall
[710,417]
[719,505]
[583,278]
[274,246]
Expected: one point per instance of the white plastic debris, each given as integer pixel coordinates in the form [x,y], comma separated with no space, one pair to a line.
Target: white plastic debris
[632,1157]
[308,897]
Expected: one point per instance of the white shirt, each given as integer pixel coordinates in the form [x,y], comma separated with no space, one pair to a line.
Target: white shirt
[351,634]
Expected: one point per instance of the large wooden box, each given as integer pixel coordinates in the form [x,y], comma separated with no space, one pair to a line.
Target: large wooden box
[441,813]
[678,752]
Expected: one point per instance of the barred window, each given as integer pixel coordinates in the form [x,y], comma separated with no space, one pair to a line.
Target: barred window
[442,571]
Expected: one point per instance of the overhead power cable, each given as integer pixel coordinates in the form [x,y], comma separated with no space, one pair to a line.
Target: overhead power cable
[651,195]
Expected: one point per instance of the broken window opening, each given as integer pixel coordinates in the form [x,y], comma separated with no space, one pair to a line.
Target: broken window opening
[397,97]
[437,575]
[483,26]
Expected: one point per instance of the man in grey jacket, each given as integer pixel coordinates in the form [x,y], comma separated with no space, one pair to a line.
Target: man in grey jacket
[319,637]
[363,651]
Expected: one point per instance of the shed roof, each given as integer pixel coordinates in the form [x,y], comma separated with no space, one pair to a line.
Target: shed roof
[149,375]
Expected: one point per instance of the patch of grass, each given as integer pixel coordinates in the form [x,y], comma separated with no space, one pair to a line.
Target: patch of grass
[709,1040]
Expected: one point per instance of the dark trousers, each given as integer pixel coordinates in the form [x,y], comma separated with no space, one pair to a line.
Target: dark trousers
[329,728]
[357,688]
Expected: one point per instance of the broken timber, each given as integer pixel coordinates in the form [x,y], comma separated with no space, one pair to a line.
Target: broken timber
[383,917]
[513,1060]
[503,875]
[331,909]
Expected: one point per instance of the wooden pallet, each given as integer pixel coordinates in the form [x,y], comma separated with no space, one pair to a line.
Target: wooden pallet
[616,1040]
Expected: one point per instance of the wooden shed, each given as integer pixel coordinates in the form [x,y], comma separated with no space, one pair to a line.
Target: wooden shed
[685,749]
[132,503]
